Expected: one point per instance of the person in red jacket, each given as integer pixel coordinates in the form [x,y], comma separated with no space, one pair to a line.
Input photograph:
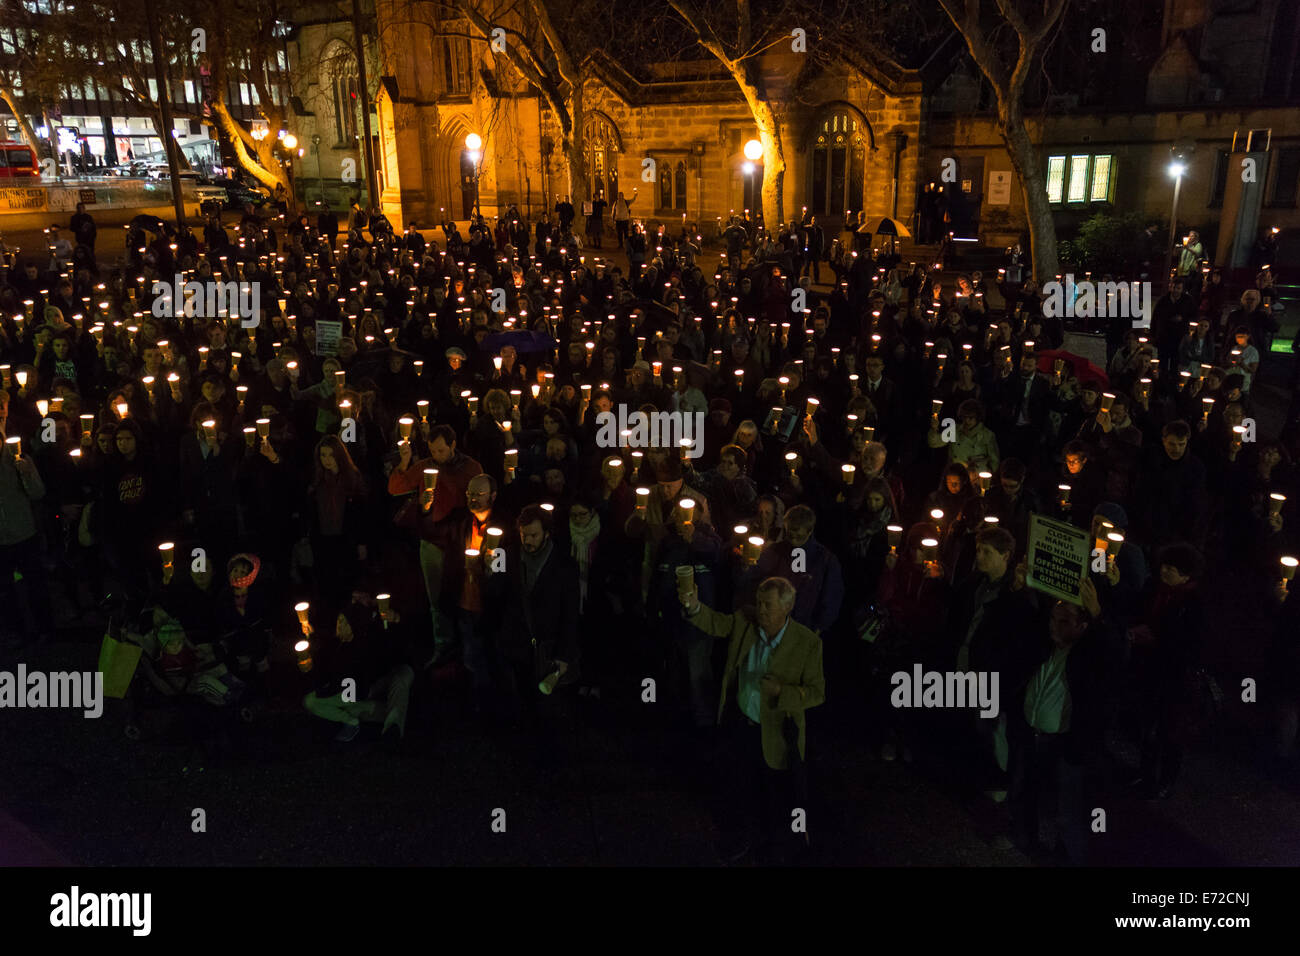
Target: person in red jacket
[454,471]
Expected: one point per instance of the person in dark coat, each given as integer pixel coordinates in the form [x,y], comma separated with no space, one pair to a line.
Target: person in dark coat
[1167,651]
[1172,490]
[990,612]
[531,611]
[1058,708]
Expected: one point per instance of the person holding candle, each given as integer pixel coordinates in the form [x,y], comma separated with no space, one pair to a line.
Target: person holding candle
[493,434]
[244,619]
[20,544]
[774,675]
[730,491]
[335,517]
[990,611]
[368,646]
[976,444]
[454,473]
[132,502]
[907,616]
[816,572]
[207,487]
[531,612]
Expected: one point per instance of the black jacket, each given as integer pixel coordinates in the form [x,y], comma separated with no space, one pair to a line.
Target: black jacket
[542,625]
[1090,671]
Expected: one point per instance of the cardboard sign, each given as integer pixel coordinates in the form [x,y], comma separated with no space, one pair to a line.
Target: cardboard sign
[1058,558]
[327,337]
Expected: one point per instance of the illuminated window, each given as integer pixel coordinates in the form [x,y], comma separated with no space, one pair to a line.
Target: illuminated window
[1080,178]
[1078,189]
[1101,166]
[1055,178]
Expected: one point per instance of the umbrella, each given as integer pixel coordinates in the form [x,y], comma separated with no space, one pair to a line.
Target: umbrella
[1084,370]
[148,223]
[887,227]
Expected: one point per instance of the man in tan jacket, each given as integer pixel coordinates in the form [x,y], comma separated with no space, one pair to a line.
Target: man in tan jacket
[773,674]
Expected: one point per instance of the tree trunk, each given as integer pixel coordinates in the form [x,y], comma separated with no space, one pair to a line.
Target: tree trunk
[260,161]
[1042,228]
[29,134]
[769,134]
[576,147]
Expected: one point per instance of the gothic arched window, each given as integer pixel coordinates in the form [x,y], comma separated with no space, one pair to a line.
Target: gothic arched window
[837,162]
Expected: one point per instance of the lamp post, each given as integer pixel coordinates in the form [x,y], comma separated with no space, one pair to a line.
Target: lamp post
[1176,170]
[474,143]
[290,144]
[753,152]
[320,183]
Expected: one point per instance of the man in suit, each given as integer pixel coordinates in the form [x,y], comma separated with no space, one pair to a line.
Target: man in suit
[1024,402]
[773,675]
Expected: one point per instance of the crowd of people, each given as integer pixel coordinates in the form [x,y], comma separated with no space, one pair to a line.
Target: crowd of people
[395,471]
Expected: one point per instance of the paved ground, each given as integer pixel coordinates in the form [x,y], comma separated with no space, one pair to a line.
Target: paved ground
[623,787]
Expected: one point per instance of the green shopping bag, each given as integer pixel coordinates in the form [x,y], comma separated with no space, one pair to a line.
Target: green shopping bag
[117,662]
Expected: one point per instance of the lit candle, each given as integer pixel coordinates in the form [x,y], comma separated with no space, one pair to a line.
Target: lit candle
[1288,567]
[422,406]
[1207,406]
[930,549]
[122,410]
[404,426]
[849,472]
[792,459]
[1065,496]
[430,479]
[303,651]
[16,445]
[1107,399]
[167,550]
[87,425]
[986,480]
[1275,503]
[895,532]
[642,498]
[753,547]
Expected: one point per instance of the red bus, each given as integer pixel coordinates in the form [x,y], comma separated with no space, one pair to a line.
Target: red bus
[18,161]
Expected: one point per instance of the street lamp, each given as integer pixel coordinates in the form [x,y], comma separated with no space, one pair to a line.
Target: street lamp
[753,152]
[1178,156]
[474,143]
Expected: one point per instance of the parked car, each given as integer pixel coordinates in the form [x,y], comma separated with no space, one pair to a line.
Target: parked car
[238,194]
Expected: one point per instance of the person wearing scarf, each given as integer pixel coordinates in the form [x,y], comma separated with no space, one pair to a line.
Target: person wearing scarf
[584,529]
